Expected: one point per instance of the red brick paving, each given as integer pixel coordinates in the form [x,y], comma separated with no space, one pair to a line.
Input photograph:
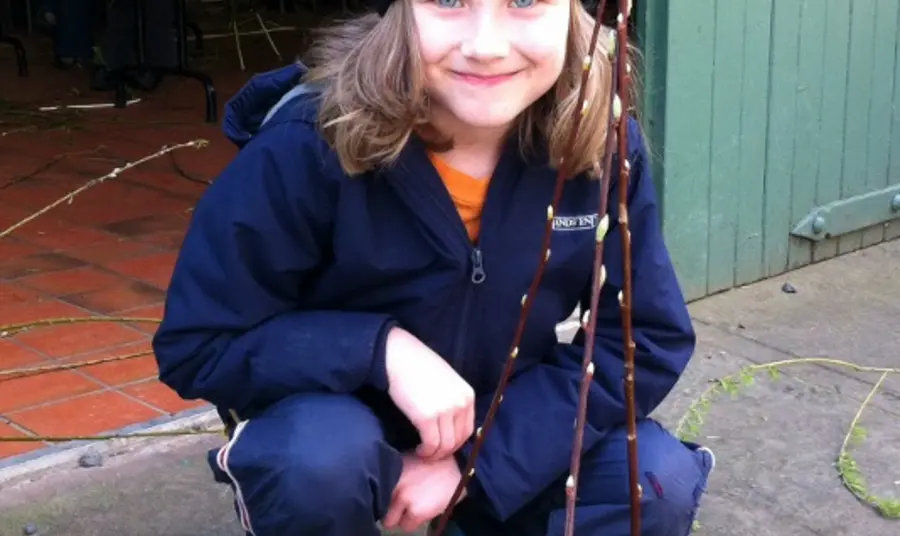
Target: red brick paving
[108,252]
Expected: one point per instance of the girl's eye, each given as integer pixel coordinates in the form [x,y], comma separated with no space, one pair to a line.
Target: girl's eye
[513,3]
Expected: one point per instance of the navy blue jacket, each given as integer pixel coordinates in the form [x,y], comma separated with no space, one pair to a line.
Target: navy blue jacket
[292,272]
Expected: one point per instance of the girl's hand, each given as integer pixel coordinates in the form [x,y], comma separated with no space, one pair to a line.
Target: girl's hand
[423,492]
[436,400]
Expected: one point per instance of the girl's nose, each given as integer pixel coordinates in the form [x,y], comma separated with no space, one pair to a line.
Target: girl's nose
[486,41]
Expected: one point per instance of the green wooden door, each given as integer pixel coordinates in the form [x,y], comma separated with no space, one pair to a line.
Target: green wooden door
[776,131]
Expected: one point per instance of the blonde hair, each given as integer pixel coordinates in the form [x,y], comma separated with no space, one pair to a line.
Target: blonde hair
[373,95]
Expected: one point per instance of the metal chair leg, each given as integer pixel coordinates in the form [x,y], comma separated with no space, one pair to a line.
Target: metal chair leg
[21,57]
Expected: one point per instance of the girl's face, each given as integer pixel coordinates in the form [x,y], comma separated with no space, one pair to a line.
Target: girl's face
[486,61]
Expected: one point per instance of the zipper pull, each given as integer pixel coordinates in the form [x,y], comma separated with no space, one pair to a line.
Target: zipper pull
[478,275]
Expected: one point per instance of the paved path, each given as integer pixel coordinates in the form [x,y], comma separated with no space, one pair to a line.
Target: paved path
[775,443]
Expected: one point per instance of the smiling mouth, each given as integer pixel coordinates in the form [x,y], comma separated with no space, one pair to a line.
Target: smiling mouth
[482,79]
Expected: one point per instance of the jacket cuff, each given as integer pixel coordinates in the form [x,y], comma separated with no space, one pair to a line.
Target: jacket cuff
[377,376]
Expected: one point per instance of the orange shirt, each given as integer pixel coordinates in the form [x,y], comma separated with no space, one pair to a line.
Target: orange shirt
[467,192]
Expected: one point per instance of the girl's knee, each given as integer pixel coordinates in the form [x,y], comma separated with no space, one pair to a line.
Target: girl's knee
[317,462]
[673,476]
[674,482]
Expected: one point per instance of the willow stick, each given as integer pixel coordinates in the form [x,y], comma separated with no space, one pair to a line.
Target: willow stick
[598,279]
[482,431]
[618,120]
[625,297]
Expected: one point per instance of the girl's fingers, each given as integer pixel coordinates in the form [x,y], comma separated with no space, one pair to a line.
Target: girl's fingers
[448,436]
[430,433]
[394,515]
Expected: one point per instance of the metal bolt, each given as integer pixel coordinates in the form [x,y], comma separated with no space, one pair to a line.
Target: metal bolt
[895,203]
[818,224]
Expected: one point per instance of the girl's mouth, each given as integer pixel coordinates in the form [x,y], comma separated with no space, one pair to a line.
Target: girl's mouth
[482,79]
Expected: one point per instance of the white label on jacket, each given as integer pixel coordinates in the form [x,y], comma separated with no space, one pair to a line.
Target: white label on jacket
[581,222]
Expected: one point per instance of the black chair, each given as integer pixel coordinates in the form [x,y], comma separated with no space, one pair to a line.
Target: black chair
[182,69]
[21,57]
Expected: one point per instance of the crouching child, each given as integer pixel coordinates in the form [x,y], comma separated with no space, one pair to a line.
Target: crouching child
[348,287]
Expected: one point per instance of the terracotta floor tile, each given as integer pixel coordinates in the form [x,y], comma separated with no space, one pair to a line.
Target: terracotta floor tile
[73,339]
[8,450]
[19,393]
[118,201]
[156,223]
[120,372]
[175,184]
[35,193]
[102,212]
[155,269]
[153,311]
[118,297]
[119,250]
[14,356]
[75,281]
[160,395]
[12,294]
[168,240]
[12,249]
[173,203]
[58,234]
[23,165]
[38,263]
[11,215]
[40,309]
[85,415]
[134,223]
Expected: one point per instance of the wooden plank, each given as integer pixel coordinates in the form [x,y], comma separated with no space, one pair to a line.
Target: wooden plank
[810,81]
[652,40]
[754,104]
[834,92]
[892,231]
[861,64]
[780,146]
[881,91]
[688,116]
[725,144]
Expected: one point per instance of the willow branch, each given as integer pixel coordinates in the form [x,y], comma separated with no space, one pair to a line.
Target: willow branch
[619,121]
[625,297]
[20,373]
[598,279]
[107,437]
[8,330]
[93,182]
[528,298]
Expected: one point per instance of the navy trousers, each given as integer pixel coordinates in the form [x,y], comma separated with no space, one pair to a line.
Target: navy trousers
[72,35]
[326,465]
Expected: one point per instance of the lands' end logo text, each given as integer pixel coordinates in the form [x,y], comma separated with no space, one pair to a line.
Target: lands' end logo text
[583,222]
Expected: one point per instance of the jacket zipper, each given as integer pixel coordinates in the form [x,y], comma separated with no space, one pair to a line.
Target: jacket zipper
[465,365]
[477,276]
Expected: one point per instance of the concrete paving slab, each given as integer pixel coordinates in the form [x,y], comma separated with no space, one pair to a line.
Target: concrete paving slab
[162,489]
[847,308]
[157,489]
[776,442]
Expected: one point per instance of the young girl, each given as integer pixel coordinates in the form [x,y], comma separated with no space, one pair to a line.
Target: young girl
[349,286]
